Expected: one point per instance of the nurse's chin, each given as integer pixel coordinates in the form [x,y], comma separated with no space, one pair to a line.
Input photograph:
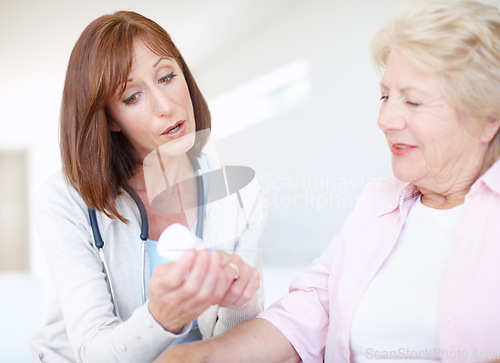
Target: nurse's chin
[178,146]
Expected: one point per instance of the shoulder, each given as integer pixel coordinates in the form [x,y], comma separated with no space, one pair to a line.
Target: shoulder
[56,201]
[489,181]
[56,189]
[57,206]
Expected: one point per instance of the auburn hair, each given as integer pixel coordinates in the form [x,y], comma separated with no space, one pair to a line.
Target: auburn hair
[95,160]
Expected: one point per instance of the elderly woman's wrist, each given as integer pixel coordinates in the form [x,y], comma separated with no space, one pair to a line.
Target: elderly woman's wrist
[196,352]
[205,352]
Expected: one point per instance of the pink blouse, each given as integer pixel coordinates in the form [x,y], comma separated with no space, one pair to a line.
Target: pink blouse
[316,315]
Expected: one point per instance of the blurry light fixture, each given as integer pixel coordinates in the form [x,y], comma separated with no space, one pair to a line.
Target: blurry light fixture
[260,99]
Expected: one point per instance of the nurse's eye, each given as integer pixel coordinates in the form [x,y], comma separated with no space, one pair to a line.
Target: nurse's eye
[167,78]
[132,99]
[384,98]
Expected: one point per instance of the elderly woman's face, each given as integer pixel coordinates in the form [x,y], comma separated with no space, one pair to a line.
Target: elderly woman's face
[156,106]
[431,146]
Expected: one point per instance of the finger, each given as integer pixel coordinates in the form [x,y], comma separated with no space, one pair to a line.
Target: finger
[243,288]
[197,273]
[224,283]
[231,268]
[250,289]
[237,285]
[225,257]
[172,275]
[207,294]
[235,268]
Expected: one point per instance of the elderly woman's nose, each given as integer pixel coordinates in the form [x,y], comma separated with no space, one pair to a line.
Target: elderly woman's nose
[390,117]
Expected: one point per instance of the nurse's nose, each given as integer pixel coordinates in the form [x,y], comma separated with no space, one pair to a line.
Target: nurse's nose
[162,103]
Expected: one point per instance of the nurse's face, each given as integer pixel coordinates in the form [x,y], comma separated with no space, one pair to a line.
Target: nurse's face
[156,107]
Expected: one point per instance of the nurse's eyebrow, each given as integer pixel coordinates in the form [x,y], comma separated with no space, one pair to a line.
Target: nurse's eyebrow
[158,62]
[154,66]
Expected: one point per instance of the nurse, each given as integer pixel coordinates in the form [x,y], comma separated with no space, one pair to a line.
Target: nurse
[128,95]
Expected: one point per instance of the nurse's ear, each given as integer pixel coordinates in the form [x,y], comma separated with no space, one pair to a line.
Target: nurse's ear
[113,126]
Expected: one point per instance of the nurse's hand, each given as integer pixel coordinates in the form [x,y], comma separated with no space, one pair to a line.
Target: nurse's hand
[246,280]
[181,290]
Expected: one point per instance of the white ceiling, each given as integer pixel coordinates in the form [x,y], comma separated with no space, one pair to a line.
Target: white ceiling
[200,27]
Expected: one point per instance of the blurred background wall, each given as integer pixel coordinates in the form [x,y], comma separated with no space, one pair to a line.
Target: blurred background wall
[292,92]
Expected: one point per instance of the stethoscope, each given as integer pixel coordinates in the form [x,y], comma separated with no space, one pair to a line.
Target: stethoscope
[144,235]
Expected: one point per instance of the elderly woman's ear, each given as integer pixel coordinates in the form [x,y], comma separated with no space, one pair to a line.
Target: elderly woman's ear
[490,129]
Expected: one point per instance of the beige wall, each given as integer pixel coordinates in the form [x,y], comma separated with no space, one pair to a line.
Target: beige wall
[14,223]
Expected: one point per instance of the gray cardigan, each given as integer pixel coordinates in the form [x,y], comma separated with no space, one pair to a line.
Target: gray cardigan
[81,325]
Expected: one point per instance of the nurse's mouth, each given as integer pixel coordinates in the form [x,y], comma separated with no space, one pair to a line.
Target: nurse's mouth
[176,130]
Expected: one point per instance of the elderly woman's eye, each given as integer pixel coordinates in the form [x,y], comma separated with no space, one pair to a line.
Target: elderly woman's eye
[384,98]
[413,103]
[167,78]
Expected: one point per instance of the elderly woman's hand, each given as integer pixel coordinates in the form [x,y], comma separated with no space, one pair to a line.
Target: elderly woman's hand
[181,290]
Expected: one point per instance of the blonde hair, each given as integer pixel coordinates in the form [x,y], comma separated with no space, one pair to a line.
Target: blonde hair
[460,41]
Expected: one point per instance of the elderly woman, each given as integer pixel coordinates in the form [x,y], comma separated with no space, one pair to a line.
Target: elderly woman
[130,98]
[413,275]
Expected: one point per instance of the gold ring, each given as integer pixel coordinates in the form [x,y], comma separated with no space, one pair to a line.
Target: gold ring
[235,268]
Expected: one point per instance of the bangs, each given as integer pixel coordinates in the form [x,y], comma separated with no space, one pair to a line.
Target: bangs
[159,46]
[117,55]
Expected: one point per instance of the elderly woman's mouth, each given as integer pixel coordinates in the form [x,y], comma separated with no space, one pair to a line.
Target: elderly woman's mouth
[400,149]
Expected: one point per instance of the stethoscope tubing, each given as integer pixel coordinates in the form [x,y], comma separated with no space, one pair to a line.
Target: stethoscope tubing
[144,235]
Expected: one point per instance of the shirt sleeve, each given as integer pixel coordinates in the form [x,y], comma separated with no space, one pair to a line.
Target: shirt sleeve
[94,331]
[303,315]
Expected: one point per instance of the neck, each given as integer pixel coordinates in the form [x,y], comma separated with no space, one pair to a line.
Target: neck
[161,171]
[450,191]
[438,201]
[447,193]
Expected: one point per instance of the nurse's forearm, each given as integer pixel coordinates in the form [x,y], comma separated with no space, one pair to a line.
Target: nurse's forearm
[256,340]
